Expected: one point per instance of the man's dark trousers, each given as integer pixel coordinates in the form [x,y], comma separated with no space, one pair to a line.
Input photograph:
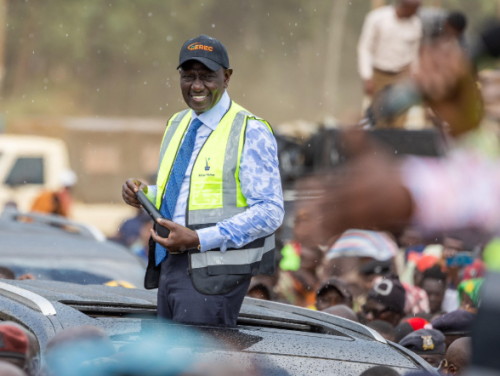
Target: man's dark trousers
[180,302]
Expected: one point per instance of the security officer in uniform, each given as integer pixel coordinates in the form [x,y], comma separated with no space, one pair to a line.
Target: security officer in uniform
[219,189]
[428,343]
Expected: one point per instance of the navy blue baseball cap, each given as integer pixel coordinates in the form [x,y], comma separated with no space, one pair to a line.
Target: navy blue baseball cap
[207,50]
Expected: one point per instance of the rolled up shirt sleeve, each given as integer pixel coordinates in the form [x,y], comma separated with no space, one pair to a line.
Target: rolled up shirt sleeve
[261,185]
[457,192]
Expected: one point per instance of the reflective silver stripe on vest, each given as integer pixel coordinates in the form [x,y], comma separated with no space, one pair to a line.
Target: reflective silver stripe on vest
[229,187]
[170,133]
[233,257]
[206,216]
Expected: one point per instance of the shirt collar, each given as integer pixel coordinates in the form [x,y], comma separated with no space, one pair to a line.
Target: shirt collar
[212,117]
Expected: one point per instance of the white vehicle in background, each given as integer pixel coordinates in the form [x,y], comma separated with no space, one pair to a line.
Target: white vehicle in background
[30,165]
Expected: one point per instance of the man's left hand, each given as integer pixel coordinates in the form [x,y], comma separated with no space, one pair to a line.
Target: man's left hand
[180,239]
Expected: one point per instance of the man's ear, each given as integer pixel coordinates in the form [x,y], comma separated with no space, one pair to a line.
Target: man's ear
[227,76]
[452,370]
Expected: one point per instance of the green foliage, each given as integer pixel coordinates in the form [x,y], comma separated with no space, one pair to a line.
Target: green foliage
[119,57]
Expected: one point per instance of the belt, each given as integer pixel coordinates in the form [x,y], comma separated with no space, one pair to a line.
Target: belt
[392,73]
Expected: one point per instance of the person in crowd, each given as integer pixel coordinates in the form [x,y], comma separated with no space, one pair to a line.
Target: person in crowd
[299,287]
[333,292]
[6,273]
[402,330]
[383,328]
[434,284]
[453,244]
[469,294]
[386,302]
[423,263]
[207,223]
[455,26]
[13,346]
[388,46]
[141,245]
[292,250]
[7,369]
[427,343]
[57,202]
[454,325]
[74,347]
[417,300]
[458,356]
[343,311]
[380,371]
[409,325]
[33,354]
[374,269]
[130,230]
[261,288]
[474,271]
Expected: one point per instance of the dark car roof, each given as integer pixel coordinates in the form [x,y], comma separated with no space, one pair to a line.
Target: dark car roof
[283,333]
[50,236]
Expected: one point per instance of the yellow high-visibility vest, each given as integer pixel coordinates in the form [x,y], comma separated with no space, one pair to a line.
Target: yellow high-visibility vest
[215,191]
[214,196]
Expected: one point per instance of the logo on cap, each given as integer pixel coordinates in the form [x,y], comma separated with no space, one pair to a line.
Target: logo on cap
[198,46]
[427,343]
[384,287]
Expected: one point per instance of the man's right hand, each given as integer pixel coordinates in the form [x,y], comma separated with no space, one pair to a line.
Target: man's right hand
[129,189]
[368,87]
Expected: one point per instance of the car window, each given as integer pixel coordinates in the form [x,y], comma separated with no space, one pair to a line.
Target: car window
[82,272]
[26,170]
[63,275]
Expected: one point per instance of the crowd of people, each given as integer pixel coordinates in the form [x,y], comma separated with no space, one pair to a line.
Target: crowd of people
[422,294]
[419,292]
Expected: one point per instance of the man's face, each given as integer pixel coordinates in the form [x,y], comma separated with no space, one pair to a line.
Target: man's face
[202,88]
[310,259]
[435,290]
[328,299]
[258,293]
[408,8]
[433,359]
[377,311]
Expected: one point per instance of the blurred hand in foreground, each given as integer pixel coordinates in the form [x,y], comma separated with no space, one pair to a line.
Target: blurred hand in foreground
[446,79]
[367,193]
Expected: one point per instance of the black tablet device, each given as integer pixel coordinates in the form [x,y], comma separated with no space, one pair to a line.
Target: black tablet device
[153,213]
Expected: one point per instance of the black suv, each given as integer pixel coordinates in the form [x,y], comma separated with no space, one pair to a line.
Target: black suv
[298,340]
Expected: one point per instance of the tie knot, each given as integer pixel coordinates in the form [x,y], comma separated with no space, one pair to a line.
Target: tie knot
[195,125]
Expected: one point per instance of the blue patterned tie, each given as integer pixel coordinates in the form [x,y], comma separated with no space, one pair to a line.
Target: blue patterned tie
[181,164]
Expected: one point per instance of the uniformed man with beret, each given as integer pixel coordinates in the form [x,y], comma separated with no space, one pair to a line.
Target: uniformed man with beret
[428,343]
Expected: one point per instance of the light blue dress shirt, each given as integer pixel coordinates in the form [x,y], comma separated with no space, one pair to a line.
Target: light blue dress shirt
[260,184]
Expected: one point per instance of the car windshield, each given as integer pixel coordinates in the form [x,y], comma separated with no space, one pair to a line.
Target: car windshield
[83,272]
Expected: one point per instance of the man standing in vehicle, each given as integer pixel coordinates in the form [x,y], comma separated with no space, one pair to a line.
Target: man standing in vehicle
[219,189]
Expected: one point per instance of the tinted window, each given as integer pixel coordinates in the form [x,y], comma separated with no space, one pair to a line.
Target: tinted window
[64,275]
[26,171]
